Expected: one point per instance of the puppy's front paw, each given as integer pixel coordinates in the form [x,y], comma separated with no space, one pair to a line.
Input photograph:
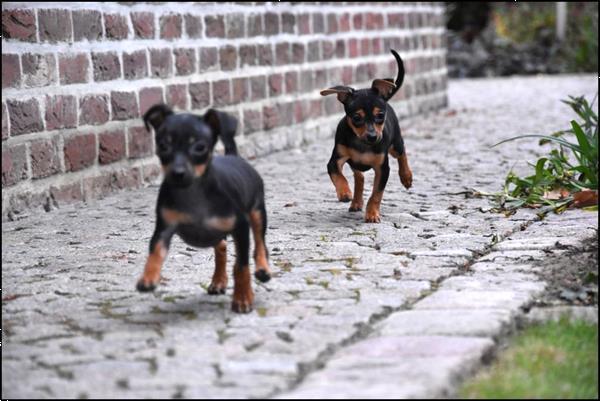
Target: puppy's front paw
[372,217]
[263,275]
[345,196]
[217,288]
[406,178]
[145,285]
[241,306]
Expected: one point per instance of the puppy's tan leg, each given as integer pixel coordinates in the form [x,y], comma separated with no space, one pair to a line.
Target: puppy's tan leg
[219,279]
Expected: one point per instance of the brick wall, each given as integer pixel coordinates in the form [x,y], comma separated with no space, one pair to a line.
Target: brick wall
[76,77]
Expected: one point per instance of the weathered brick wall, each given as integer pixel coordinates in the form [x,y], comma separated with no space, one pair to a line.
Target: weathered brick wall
[76,77]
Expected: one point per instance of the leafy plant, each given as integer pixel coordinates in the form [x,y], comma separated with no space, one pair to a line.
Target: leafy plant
[558,183]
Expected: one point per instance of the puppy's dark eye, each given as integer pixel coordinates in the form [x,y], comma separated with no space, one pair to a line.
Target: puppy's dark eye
[198,149]
[357,119]
[163,147]
[379,118]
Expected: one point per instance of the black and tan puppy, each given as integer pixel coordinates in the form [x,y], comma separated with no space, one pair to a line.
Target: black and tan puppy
[365,136]
[204,198]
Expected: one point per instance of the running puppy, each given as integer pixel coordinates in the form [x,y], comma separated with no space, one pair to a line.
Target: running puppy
[204,198]
[365,136]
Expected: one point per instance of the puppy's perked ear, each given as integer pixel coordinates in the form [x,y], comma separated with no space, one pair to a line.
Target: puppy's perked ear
[223,126]
[344,93]
[383,86]
[156,116]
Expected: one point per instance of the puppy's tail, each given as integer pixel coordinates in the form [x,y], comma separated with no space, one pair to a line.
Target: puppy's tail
[399,77]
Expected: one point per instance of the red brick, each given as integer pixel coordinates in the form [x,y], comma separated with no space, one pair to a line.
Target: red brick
[73,69]
[304,24]
[143,25]
[258,88]
[193,26]
[234,25]
[215,26]
[19,24]
[123,105]
[265,55]
[282,53]
[298,53]
[24,116]
[111,146]
[38,69]
[61,112]
[344,22]
[374,21]
[200,95]
[4,122]
[247,54]
[365,47]
[185,61]
[239,90]
[221,92]
[376,46]
[135,65]
[315,108]
[66,193]
[396,20]
[340,48]
[106,66]
[14,164]
[270,117]
[252,121]
[357,21]
[11,71]
[80,151]
[320,79]
[170,26]
[254,23]
[271,24]
[161,63]
[318,23]
[55,25]
[45,159]
[177,96]
[347,75]
[149,97]
[93,109]
[313,51]
[208,58]
[228,57]
[353,48]
[288,23]
[116,26]
[275,85]
[332,23]
[87,24]
[291,82]
[327,50]
[139,142]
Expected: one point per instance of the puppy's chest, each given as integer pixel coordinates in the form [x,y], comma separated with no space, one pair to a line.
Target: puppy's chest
[200,219]
[360,157]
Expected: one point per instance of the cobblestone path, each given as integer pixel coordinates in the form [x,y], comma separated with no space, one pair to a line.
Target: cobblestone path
[404,308]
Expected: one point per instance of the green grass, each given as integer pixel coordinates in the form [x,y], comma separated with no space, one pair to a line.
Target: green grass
[552,360]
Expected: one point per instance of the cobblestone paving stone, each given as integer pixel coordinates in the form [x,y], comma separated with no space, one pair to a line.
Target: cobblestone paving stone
[404,308]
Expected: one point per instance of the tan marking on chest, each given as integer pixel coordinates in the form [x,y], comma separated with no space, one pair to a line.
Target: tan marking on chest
[173,217]
[220,223]
[367,158]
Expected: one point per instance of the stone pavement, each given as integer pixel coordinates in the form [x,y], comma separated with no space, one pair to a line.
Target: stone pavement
[405,308]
